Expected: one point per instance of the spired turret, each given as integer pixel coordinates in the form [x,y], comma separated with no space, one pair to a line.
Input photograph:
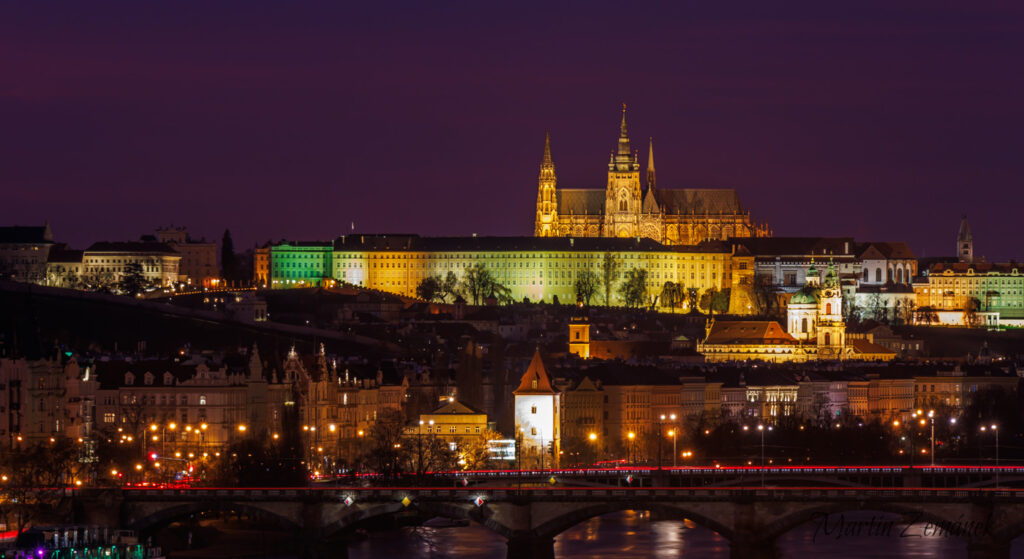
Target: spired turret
[547,199]
[650,166]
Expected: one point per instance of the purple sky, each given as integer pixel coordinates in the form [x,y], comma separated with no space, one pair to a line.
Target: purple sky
[882,120]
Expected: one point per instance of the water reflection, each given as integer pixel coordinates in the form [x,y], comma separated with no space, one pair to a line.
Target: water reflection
[634,534]
[870,534]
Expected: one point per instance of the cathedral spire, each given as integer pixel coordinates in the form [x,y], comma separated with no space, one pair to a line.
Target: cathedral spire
[650,165]
[547,150]
[623,155]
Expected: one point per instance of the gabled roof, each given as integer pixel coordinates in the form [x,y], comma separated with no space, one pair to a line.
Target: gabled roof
[862,346]
[455,407]
[130,246]
[741,332]
[886,251]
[798,246]
[535,372]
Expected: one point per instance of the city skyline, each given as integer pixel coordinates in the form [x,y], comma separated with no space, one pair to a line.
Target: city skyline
[875,122]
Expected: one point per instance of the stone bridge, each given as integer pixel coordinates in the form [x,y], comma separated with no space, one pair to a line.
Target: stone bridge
[751,518]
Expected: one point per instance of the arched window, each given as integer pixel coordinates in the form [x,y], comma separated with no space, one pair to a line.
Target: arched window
[803,325]
[828,339]
[899,275]
[828,308]
[622,202]
[866,277]
[878,275]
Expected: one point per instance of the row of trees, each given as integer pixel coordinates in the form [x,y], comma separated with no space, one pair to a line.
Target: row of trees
[478,283]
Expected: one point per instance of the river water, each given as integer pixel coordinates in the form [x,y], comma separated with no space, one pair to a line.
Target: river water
[631,534]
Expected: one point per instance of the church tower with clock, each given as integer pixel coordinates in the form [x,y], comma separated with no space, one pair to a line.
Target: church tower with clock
[831,328]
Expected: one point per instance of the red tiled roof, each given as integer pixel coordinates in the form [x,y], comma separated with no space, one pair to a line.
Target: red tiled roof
[748,332]
[535,372]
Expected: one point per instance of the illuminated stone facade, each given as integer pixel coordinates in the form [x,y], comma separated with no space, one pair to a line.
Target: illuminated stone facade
[537,414]
[624,209]
[538,269]
[817,331]
[107,262]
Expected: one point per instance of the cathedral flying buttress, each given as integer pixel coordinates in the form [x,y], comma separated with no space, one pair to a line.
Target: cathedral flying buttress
[627,208]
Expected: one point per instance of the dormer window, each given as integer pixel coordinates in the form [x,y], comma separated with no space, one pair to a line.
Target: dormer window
[148,379]
[168,379]
[129,379]
[533,385]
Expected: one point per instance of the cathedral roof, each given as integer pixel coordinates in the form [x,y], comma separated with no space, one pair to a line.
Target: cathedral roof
[699,201]
[650,203]
[580,201]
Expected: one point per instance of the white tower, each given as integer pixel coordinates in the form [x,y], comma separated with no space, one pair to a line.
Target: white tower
[538,425]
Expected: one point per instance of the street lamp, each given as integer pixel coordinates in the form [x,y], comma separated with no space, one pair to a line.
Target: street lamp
[931,418]
[629,447]
[995,431]
[762,428]
[671,417]
[672,433]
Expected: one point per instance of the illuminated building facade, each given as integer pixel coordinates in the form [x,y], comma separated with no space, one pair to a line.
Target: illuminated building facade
[107,262]
[24,252]
[969,291]
[673,216]
[198,264]
[538,269]
[538,416]
[817,330]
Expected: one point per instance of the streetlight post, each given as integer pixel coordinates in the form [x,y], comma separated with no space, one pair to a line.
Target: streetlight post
[661,425]
[995,430]
[762,428]
[629,447]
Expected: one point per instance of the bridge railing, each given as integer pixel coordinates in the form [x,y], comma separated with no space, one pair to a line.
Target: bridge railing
[398,494]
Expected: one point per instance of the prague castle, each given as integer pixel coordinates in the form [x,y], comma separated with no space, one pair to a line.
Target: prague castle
[673,216]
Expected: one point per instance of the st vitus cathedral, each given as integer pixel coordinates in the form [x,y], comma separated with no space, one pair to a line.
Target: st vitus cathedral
[673,216]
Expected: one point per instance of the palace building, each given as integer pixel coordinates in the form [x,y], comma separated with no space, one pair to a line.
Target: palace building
[625,208]
[816,330]
[538,269]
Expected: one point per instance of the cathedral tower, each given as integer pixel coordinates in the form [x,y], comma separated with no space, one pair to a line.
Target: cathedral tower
[622,196]
[547,203]
[965,242]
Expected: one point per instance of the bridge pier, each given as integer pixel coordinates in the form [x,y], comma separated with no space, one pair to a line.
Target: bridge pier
[530,547]
[988,550]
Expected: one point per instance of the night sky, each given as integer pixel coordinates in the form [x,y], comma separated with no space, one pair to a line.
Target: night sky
[881,120]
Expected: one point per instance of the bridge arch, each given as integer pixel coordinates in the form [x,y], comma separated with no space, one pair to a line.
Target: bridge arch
[820,511]
[575,516]
[350,516]
[180,511]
